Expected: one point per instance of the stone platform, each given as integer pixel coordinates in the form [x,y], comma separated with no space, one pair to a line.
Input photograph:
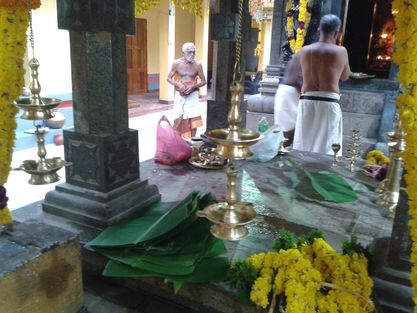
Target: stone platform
[40,269]
[270,187]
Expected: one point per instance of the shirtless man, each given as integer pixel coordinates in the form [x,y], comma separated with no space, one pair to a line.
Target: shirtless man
[287,97]
[319,117]
[183,76]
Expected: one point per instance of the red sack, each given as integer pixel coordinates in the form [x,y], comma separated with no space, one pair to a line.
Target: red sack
[170,147]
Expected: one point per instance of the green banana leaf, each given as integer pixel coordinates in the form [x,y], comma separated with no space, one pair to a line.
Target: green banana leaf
[153,224]
[175,264]
[193,239]
[326,187]
[209,269]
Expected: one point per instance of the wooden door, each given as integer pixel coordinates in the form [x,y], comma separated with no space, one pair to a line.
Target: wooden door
[137,64]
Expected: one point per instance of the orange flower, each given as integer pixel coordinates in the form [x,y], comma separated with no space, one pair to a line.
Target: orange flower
[14,4]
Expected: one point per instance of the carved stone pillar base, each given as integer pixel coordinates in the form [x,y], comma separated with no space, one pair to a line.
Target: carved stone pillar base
[101,163]
[97,209]
[392,286]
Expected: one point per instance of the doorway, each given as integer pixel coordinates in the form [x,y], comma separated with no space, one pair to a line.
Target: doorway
[136,59]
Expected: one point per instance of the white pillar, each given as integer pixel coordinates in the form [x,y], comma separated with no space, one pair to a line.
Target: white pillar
[166,49]
[202,41]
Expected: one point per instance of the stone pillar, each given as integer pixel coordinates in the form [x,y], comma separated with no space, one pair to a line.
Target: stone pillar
[223,62]
[276,68]
[102,185]
[263,104]
[391,268]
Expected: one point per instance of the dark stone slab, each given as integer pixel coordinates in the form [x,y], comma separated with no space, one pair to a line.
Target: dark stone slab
[97,15]
[270,187]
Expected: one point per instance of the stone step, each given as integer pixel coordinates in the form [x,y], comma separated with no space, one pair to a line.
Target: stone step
[362,102]
[367,123]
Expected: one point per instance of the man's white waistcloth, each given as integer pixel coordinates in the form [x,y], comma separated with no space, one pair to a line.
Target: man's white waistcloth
[186,106]
[285,109]
[319,123]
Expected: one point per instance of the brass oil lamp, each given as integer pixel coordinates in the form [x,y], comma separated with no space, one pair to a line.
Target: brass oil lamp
[231,216]
[43,171]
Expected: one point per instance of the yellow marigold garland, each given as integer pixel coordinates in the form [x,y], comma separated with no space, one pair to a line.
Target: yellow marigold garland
[405,56]
[290,24]
[142,6]
[304,18]
[376,157]
[13,25]
[300,274]
[193,6]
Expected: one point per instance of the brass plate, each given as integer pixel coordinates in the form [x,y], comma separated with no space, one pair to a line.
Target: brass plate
[196,163]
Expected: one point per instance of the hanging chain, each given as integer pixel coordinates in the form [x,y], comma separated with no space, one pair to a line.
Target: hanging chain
[31,37]
[236,73]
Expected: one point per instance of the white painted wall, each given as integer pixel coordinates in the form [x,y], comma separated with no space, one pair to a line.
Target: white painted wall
[52,49]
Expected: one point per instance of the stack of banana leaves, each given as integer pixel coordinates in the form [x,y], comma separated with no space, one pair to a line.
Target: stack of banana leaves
[169,241]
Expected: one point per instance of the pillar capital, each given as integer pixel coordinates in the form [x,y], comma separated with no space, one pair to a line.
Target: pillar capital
[115,16]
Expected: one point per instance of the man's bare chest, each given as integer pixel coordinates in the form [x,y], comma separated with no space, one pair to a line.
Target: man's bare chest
[187,70]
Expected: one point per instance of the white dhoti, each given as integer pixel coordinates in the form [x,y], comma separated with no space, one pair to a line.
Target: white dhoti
[285,109]
[186,106]
[187,115]
[319,122]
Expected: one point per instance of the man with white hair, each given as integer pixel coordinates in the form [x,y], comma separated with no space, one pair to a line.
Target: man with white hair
[183,76]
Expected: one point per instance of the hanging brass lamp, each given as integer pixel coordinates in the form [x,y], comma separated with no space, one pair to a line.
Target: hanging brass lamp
[231,216]
[36,108]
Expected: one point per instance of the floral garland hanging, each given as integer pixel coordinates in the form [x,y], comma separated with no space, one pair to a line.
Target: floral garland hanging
[142,6]
[304,17]
[193,6]
[290,24]
[14,19]
[405,56]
